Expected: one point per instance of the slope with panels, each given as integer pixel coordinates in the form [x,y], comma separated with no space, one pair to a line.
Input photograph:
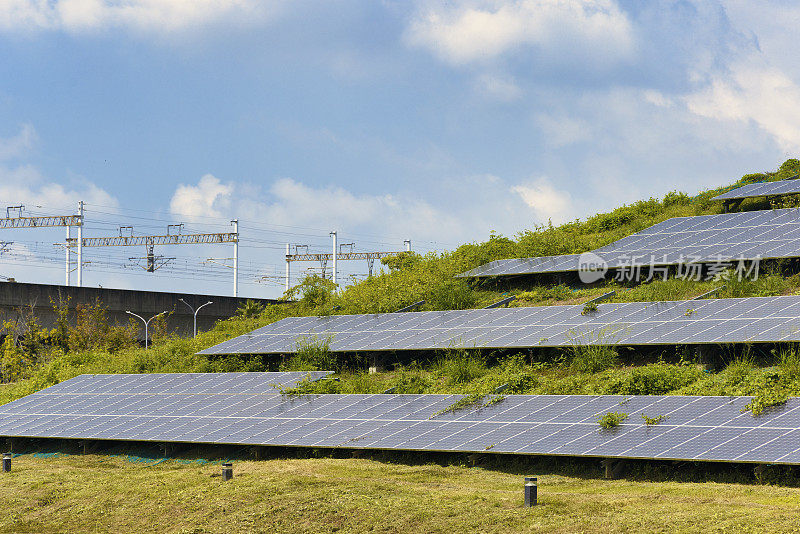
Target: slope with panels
[724,237]
[762,189]
[740,320]
[691,428]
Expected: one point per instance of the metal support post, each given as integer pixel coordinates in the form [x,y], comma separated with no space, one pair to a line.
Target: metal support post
[235,223]
[407,243]
[80,246]
[66,252]
[288,263]
[335,255]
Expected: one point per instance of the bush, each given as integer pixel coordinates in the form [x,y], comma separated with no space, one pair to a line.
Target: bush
[313,354]
[592,358]
[611,420]
[653,379]
[460,366]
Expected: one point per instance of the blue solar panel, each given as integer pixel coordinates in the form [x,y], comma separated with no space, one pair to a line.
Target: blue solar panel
[782,187]
[691,428]
[742,320]
[729,237]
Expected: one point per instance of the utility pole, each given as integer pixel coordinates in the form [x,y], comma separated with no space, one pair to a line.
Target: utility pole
[288,263]
[80,246]
[235,224]
[335,254]
[66,252]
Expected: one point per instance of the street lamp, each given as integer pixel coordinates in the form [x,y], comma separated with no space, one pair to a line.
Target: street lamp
[195,312]
[146,323]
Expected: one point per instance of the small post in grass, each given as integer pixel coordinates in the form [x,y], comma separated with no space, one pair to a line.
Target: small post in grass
[530,492]
[7,462]
[227,471]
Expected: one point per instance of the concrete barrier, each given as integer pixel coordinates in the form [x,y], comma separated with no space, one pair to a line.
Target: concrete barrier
[21,298]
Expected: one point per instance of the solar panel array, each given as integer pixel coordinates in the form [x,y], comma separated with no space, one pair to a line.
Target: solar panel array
[761,189]
[182,383]
[754,319]
[691,428]
[701,239]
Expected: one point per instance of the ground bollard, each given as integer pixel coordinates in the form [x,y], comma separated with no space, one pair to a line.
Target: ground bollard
[530,492]
[227,471]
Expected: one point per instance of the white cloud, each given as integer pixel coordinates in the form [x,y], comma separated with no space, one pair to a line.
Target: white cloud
[209,198]
[147,15]
[753,91]
[562,130]
[547,201]
[24,185]
[464,209]
[18,145]
[467,31]
[500,88]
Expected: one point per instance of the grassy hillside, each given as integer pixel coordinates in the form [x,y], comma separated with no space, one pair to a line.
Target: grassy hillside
[33,358]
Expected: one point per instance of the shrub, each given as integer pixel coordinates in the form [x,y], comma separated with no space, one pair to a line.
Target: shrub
[611,420]
[592,358]
[94,331]
[653,379]
[312,354]
[313,290]
[461,366]
[250,309]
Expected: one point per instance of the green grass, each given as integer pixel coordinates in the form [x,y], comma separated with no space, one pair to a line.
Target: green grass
[106,494]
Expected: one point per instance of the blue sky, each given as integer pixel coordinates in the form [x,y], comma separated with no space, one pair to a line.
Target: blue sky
[435,121]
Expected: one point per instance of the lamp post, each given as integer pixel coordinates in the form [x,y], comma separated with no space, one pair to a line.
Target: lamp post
[195,312]
[146,323]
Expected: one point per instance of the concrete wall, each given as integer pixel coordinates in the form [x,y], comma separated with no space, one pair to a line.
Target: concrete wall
[39,298]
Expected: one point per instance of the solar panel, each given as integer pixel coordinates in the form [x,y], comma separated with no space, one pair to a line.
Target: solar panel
[761,189]
[691,428]
[740,320]
[182,383]
[727,237]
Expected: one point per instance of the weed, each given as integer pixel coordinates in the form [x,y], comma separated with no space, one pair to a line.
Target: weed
[611,420]
[592,358]
[312,354]
[460,366]
[649,421]
[589,308]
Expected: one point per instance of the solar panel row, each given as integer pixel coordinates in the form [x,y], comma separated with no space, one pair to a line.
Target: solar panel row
[183,383]
[692,428]
[756,319]
[782,187]
[701,239]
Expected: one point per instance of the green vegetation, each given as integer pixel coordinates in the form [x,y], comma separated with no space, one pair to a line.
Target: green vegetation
[90,493]
[32,357]
[611,420]
[650,421]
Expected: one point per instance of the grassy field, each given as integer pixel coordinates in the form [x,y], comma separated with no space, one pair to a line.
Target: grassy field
[110,494]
